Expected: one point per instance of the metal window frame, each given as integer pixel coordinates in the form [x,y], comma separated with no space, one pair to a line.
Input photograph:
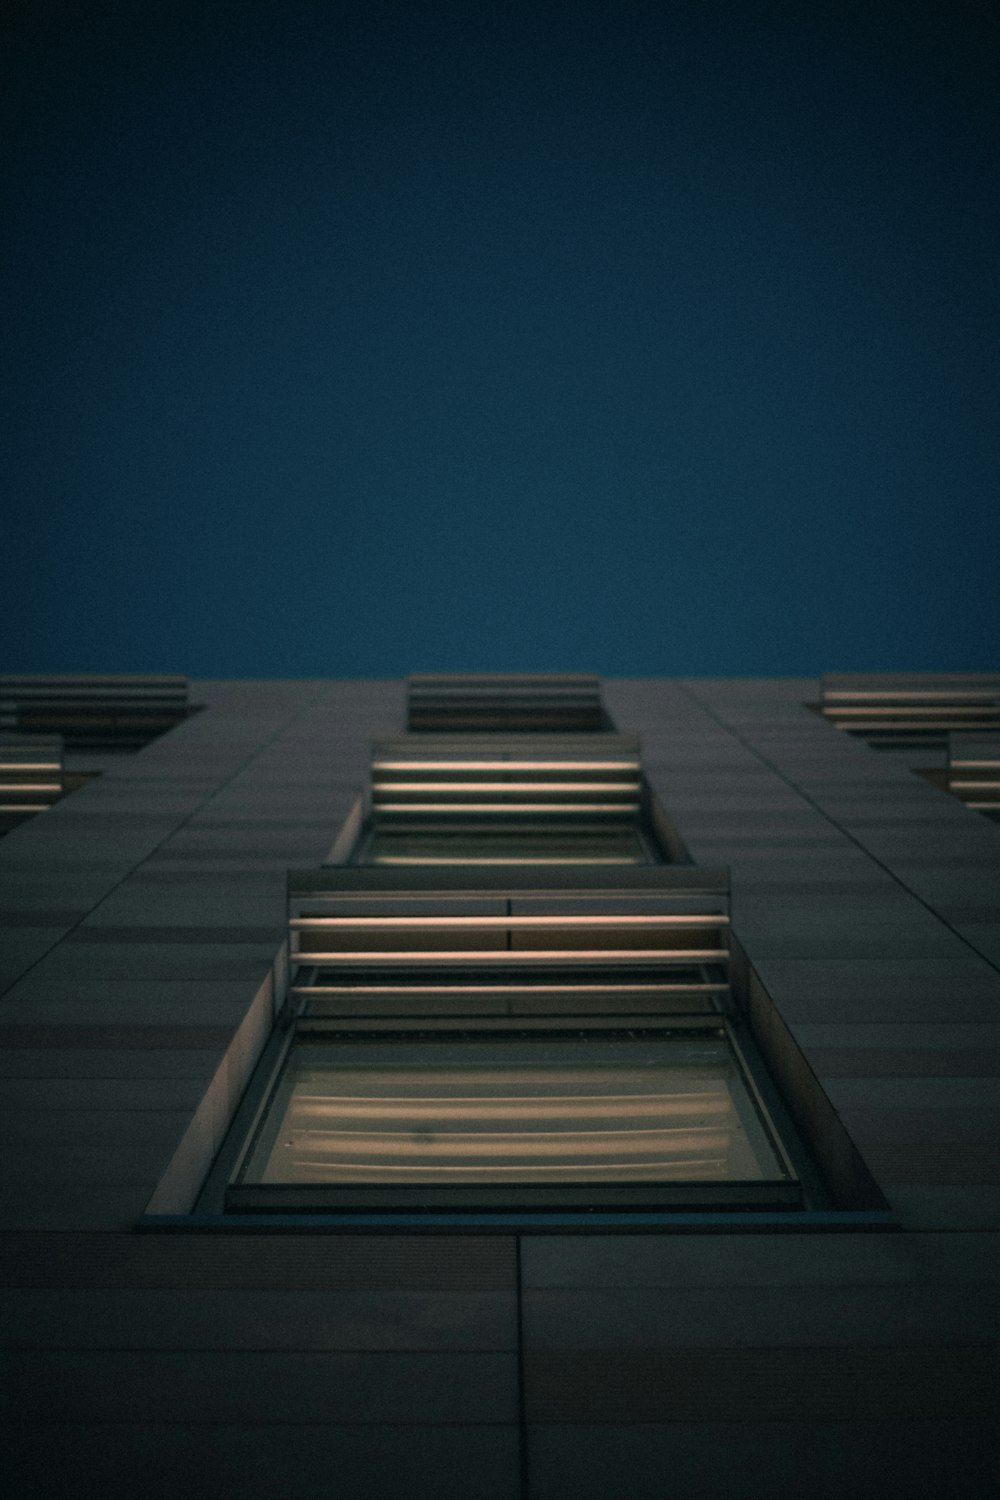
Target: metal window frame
[242,1197]
[621,904]
[503,784]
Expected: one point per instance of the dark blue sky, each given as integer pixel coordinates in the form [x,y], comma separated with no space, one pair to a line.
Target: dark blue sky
[349,339]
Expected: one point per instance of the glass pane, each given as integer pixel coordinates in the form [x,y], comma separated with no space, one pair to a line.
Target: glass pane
[668,1108]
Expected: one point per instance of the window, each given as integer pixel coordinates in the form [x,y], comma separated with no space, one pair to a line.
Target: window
[508,1038]
[655,1117]
[507,799]
[911,710]
[112,712]
[31,776]
[973,773]
[485,702]
[388,941]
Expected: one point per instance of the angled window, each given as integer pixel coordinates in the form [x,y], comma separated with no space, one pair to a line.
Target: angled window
[107,712]
[506,1039]
[508,799]
[656,1116]
[31,776]
[510,991]
[536,703]
[389,941]
[915,710]
[973,773]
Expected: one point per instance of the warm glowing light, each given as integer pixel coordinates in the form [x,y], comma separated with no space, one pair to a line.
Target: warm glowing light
[486,1143]
[407,809]
[398,788]
[889,694]
[485,859]
[606,987]
[472,1107]
[382,958]
[415,765]
[914,709]
[364,923]
[688,1168]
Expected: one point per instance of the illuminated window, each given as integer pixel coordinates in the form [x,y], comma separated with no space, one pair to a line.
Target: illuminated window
[914,710]
[540,703]
[653,1117]
[508,799]
[518,942]
[973,773]
[31,776]
[98,712]
[509,990]
[490,1039]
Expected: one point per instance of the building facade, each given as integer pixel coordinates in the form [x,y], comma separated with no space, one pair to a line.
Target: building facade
[161,1334]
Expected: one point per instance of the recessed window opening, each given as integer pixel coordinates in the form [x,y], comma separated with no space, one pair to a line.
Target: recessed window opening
[32,776]
[510,799]
[973,773]
[651,1117]
[561,703]
[97,712]
[511,990]
[507,942]
[509,1040]
[910,710]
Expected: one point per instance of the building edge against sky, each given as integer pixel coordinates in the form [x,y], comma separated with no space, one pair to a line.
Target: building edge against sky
[143,920]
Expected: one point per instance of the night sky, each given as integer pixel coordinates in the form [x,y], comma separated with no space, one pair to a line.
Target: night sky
[642,338]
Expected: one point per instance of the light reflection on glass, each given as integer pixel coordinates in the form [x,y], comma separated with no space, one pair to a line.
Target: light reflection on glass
[669,1109]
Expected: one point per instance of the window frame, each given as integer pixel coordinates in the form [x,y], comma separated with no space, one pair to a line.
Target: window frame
[625,1196]
[503,784]
[588,895]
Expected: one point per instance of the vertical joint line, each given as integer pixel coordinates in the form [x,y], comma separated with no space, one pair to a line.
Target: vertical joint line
[522,1415]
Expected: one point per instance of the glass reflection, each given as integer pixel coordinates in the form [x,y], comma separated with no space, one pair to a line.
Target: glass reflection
[668,1109]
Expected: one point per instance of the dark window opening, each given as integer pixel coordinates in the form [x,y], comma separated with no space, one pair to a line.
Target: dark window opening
[461,703]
